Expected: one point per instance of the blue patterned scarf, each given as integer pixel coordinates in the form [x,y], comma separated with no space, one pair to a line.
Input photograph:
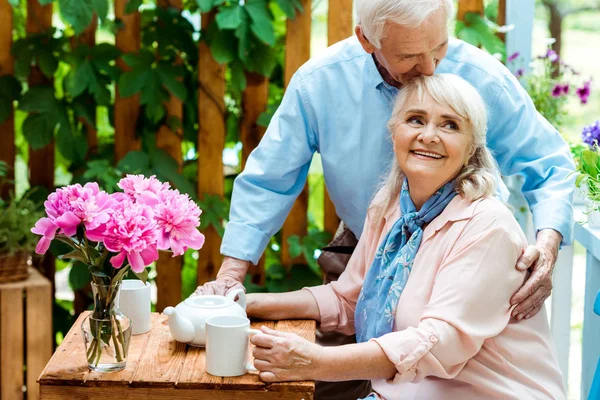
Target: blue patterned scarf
[385,281]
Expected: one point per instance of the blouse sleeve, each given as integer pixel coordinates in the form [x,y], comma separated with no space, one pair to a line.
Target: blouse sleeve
[470,303]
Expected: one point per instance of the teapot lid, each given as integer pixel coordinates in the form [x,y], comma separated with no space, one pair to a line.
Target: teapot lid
[208,301]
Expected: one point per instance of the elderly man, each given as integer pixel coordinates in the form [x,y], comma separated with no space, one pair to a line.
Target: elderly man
[339,104]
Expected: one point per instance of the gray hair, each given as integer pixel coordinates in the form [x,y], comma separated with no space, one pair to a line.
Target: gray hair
[477,179]
[372,15]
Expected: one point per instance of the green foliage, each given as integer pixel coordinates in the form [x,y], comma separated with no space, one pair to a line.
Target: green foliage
[480,31]
[43,50]
[214,211]
[588,167]
[17,216]
[10,91]
[308,246]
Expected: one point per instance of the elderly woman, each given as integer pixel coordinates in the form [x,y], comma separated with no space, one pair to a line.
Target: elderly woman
[427,290]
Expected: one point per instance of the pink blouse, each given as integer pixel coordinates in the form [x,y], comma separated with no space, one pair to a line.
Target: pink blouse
[453,335]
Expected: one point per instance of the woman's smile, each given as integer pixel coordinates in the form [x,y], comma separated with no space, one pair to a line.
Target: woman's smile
[426,155]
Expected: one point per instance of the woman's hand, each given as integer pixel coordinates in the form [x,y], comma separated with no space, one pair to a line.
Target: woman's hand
[281,356]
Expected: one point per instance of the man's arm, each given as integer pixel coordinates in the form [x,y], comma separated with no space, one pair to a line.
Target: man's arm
[525,143]
[264,193]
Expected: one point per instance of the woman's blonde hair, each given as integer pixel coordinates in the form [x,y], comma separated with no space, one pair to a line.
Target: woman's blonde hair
[477,179]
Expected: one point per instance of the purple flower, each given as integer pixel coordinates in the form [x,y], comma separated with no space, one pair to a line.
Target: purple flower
[591,135]
[551,55]
[565,88]
[520,72]
[557,91]
[584,92]
[513,57]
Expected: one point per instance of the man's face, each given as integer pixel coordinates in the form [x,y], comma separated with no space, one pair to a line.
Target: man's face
[407,53]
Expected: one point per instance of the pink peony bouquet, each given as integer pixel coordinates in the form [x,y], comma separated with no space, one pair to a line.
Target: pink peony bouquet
[114,232]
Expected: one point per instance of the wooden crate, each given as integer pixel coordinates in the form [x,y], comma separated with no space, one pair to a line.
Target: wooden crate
[26,341]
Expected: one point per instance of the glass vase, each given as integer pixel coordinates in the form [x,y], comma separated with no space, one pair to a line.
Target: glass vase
[106,331]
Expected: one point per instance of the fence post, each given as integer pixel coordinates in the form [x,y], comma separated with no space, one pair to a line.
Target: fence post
[7,142]
[211,141]
[168,268]
[88,38]
[254,102]
[339,27]
[41,162]
[466,6]
[297,52]
[126,109]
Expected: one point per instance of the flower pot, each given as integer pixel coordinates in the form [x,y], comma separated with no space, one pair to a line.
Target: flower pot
[106,331]
[594,219]
[14,267]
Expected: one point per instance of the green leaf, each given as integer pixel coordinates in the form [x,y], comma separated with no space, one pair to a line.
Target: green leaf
[295,246]
[71,145]
[142,276]
[174,123]
[132,82]
[169,78]
[289,7]
[134,162]
[83,77]
[45,2]
[101,7]
[10,87]
[263,60]
[47,63]
[39,99]
[229,17]
[262,24]
[141,60]
[105,52]
[5,109]
[14,3]
[85,110]
[222,44]
[74,255]
[79,276]
[238,77]
[205,5]
[38,130]
[132,6]
[78,13]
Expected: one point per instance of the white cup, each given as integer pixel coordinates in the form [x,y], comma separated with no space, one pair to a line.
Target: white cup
[227,345]
[134,301]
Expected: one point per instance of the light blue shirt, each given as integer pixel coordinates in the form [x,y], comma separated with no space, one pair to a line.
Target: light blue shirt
[339,105]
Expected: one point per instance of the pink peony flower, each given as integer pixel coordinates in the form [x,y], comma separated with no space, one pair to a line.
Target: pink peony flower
[142,189]
[70,206]
[177,218]
[130,232]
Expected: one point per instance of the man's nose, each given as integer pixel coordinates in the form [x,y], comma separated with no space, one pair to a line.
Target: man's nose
[427,65]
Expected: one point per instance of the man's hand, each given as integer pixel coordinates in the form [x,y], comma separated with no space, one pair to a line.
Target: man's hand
[541,258]
[231,276]
[282,356]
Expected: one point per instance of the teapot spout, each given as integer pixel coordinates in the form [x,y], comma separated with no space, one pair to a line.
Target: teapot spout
[181,327]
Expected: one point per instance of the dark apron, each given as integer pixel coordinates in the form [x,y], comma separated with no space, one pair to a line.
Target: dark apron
[333,261]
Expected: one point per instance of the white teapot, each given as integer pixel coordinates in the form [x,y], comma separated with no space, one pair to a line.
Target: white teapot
[187,321]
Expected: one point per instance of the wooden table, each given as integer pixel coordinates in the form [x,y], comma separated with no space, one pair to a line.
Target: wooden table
[161,368]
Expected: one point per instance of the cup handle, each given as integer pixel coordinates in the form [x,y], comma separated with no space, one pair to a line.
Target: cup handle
[249,366]
[240,294]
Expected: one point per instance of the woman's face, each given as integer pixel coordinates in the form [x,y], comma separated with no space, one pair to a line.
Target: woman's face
[431,142]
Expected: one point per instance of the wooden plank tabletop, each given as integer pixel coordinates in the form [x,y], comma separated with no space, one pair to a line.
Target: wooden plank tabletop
[157,365]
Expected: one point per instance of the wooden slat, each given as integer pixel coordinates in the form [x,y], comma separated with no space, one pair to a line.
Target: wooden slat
[465,6]
[39,340]
[502,19]
[68,365]
[168,268]
[137,347]
[41,162]
[7,140]
[211,141]
[297,42]
[11,343]
[254,102]
[66,392]
[126,109]
[161,365]
[339,27]
[88,38]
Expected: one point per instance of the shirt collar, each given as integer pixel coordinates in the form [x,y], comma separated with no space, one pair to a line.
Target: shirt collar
[374,77]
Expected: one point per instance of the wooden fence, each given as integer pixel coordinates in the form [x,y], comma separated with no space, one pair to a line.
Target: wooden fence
[211,132]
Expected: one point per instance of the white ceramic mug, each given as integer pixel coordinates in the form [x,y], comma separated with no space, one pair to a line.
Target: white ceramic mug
[227,345]
[134,301]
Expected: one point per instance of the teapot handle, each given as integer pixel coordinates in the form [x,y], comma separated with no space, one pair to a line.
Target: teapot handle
[241,297]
